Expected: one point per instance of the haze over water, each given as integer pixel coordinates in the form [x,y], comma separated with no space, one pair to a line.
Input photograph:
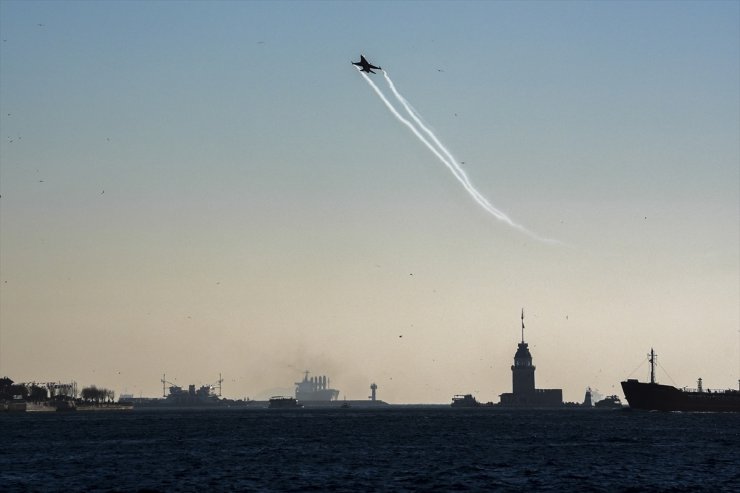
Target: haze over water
[200,188]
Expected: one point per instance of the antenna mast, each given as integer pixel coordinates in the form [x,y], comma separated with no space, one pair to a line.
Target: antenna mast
[522,325]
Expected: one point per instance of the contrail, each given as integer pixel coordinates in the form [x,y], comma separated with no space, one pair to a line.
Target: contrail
[413,129]
[448,160]
[451,159]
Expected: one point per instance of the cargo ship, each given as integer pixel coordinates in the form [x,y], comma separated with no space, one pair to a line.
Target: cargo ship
[315,389]
[657,397]
[315,393]
[178,397]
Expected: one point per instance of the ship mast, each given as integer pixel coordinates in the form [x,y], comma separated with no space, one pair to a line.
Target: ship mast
[652,359]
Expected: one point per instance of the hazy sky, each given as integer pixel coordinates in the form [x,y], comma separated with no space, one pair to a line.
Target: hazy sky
[200,187]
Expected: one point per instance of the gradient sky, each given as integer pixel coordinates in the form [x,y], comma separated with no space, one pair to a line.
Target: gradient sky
[195,188]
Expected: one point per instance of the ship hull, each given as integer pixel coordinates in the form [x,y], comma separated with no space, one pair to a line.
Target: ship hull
[657,397]
[283,403]
[323,395]
[358,404]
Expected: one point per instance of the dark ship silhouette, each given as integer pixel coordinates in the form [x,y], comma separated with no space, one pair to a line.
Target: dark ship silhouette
[282,402]
[610,402]
[315,389]
[657,397]
[466,400]
[205,396]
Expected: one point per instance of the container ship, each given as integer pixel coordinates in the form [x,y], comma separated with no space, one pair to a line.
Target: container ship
[657,397]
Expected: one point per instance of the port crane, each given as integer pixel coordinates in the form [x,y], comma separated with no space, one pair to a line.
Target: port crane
[217,385]
[164,385]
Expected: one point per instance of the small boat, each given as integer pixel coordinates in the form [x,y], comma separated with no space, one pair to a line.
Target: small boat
[611,402]
[280,402]
[466,400]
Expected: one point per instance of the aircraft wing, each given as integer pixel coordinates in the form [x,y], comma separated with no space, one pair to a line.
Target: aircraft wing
[365,63]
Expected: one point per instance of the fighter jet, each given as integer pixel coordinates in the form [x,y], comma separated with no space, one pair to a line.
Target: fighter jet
[366,66]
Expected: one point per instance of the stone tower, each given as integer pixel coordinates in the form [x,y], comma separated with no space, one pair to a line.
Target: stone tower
[522,371]
[524,394]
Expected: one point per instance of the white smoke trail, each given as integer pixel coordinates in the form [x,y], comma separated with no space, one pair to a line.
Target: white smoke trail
[448,160]
[412,128]
[451,159]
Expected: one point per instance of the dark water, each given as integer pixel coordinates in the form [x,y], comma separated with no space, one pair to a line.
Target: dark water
[366,450]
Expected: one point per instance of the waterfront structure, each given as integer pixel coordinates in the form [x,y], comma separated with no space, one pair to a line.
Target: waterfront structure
[524,394]
[587,399]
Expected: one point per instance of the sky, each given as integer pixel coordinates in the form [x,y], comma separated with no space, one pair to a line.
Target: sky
[204,188]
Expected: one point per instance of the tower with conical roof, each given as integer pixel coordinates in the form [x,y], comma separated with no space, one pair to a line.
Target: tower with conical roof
[524,394]
[522,371]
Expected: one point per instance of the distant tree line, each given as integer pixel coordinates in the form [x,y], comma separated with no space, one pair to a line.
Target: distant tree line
[96,395]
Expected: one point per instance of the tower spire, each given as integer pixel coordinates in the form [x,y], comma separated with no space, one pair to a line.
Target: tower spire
[522,325]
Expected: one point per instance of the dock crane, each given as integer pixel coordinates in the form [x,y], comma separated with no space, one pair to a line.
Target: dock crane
[217,385]
[164,385]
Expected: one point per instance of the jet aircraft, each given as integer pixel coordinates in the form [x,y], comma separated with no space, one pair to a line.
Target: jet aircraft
[366,66]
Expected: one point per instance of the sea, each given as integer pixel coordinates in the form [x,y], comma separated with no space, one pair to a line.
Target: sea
[405,448]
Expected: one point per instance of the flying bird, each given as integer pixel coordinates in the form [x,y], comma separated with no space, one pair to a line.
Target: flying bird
[365,65]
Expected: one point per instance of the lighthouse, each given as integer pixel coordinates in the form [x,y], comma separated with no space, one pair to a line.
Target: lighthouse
[523,392]
[522,371]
